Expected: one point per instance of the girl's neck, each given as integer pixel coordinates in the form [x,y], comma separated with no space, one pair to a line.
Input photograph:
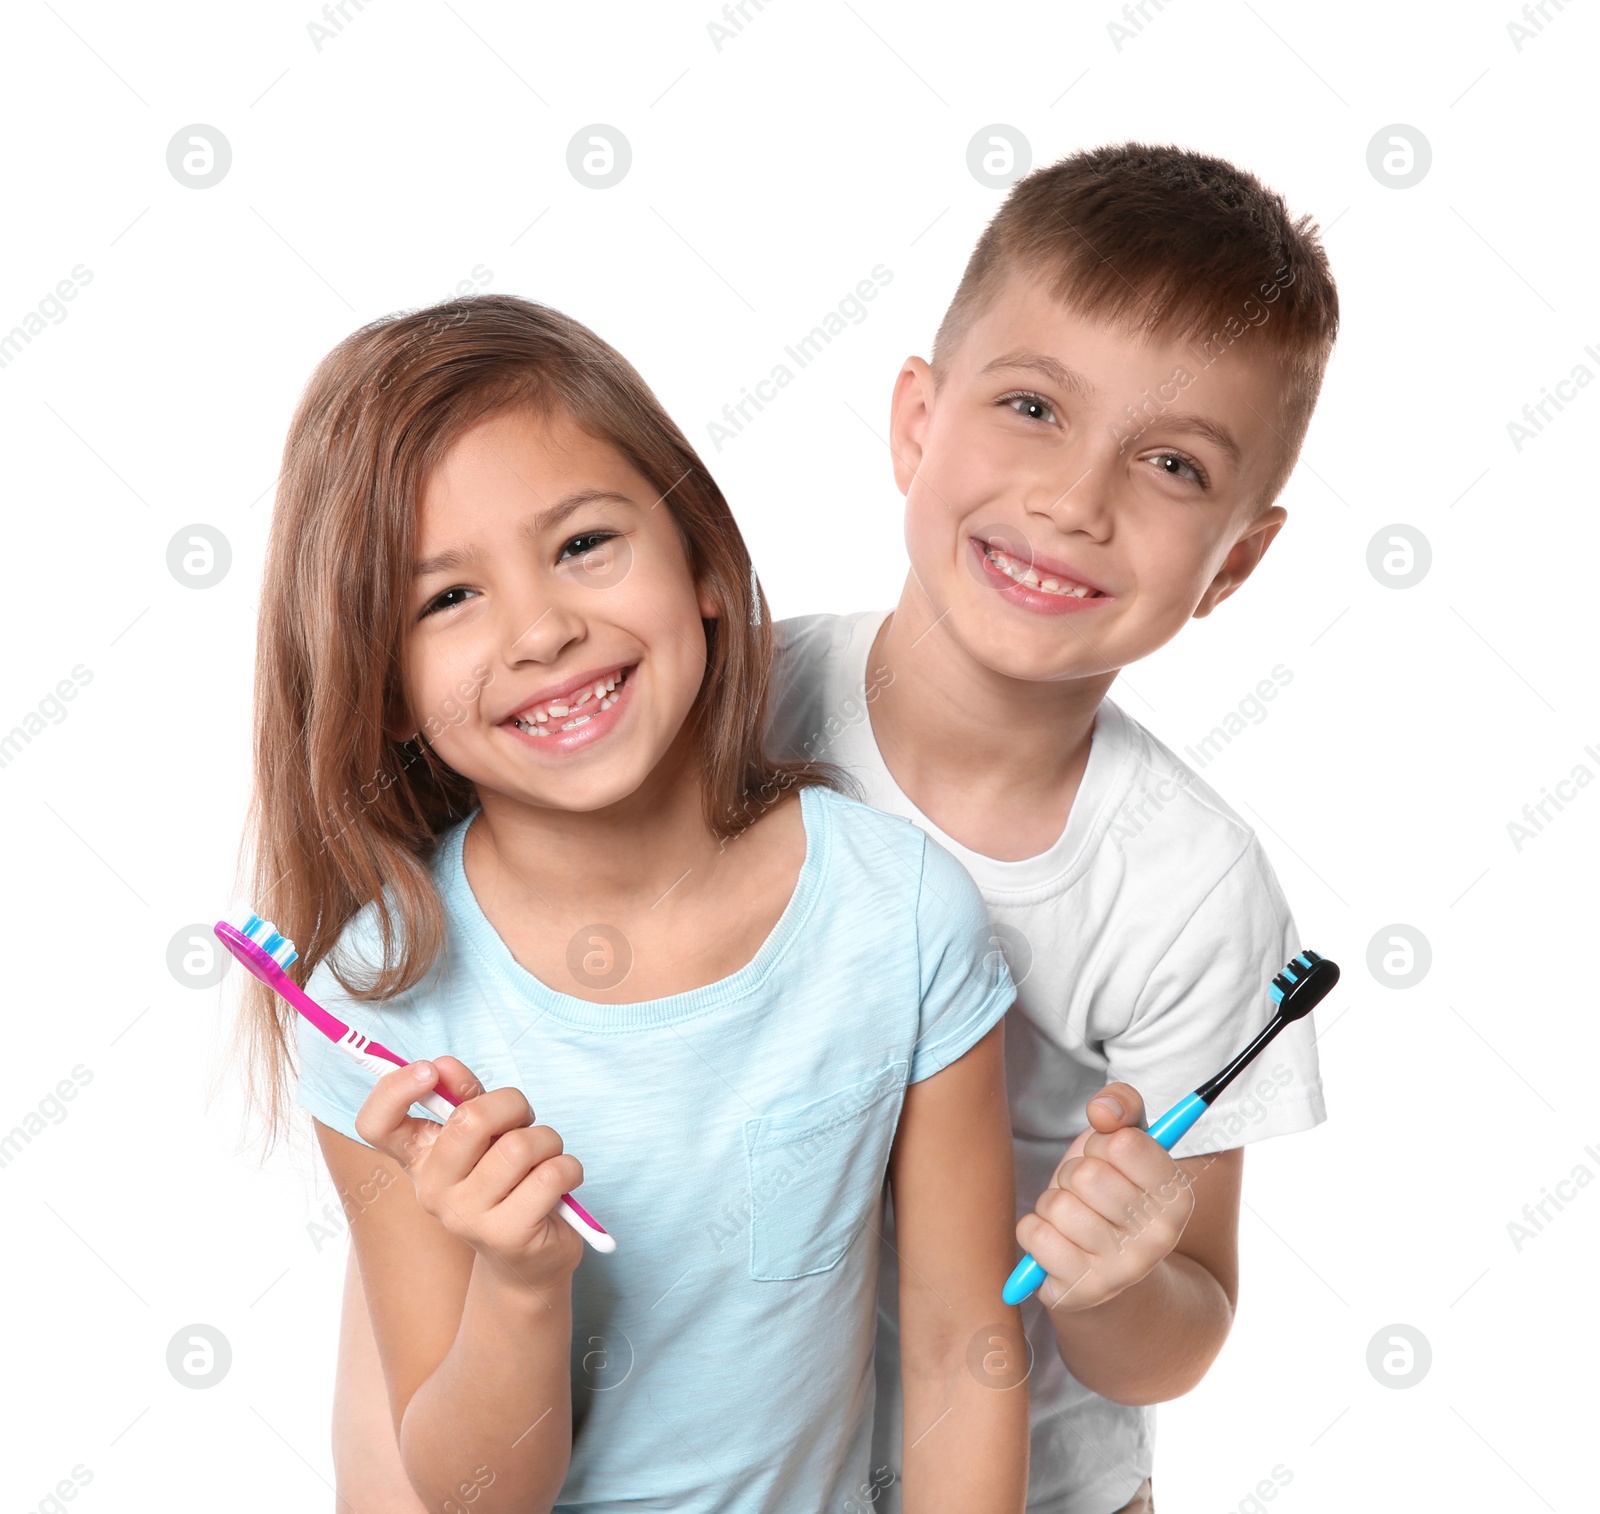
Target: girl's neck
[601,863]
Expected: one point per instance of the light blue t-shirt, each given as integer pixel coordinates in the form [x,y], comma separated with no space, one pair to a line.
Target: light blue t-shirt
[734,1139]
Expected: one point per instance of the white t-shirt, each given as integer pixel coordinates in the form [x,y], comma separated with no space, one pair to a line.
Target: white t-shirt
[1142,943]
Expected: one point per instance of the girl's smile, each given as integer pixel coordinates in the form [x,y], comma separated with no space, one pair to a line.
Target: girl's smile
[575,714]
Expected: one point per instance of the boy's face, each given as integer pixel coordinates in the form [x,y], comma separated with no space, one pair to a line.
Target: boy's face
[1058,534]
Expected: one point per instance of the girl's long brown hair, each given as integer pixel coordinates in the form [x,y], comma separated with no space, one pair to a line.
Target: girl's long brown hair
[342,814]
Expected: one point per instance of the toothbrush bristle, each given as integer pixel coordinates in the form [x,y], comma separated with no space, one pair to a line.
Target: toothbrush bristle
[265,935]
[1296,969]
[1303,984]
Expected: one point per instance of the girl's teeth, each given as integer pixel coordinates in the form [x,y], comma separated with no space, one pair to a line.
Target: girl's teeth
[604,692]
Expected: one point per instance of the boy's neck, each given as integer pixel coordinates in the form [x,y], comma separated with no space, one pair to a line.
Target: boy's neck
[994,762]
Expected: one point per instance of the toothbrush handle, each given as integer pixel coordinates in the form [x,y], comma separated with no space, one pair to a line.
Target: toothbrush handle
[379,1059]
[1028,1276]
[1171,1127]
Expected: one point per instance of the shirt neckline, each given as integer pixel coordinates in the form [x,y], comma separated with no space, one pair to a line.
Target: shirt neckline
[1060,864]
[816,816]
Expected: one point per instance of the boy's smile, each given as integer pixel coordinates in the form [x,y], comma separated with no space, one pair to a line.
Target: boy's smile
[1074,492]
[1032,580]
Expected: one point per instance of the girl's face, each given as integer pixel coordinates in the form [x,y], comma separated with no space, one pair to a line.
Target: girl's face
[554,646]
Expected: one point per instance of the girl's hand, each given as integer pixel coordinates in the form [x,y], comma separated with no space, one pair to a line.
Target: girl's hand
[489,1175]
[1117,1205]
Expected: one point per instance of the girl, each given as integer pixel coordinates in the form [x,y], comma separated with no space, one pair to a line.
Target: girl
[511,800]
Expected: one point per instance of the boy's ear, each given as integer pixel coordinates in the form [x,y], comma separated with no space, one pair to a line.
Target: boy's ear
[1242,558]
[909,413]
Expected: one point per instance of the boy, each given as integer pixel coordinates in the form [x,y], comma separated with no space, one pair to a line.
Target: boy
[1117,395]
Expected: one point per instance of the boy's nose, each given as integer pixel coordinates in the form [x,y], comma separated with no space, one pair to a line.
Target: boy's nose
[1079,502]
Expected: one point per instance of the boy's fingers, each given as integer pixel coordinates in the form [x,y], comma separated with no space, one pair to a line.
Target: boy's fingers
[1102,1189]
[1066,1264]
[1115,1105]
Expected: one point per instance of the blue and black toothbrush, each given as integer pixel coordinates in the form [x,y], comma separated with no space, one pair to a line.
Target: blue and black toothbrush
[1297,990]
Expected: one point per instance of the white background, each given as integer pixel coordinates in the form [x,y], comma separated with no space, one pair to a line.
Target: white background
[428,140]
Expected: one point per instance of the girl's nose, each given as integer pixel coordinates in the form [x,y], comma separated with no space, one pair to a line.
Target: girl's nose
[539,627]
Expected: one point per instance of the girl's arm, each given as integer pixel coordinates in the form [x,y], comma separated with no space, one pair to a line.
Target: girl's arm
[963,1361]
[368,1475]
[459,1256]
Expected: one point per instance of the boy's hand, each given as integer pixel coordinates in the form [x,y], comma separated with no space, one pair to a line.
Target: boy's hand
[1116,1206]
[489,1175]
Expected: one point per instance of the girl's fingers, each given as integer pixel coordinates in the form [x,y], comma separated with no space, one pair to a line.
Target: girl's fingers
[457,1078]
[384,1121]
[472,1129]
[511,1158]
[536,1196]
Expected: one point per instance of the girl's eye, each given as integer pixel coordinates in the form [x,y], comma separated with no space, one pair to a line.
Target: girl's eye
[582,545]
[1177,465]
[1032,406]
[438,602]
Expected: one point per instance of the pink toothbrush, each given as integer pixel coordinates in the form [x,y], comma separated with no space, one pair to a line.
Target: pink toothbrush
[257,944]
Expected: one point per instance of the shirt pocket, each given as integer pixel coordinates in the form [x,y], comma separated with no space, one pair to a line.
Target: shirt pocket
[816,1171]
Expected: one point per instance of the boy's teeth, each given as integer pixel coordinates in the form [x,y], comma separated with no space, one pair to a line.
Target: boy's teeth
[573,725]
[1023,574]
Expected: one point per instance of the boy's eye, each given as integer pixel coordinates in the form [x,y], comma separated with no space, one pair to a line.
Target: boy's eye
[1032,406]
[1176,465]
[439,601]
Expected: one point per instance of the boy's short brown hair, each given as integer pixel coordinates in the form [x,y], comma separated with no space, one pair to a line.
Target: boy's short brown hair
[1171,243]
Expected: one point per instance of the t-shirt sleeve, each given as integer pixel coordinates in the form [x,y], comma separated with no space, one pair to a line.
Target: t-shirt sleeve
[331,1085]
[966,985]
[1203,1003]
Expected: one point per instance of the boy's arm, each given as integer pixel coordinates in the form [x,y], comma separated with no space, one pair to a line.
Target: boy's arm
[963,1361]
[1142,1253]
